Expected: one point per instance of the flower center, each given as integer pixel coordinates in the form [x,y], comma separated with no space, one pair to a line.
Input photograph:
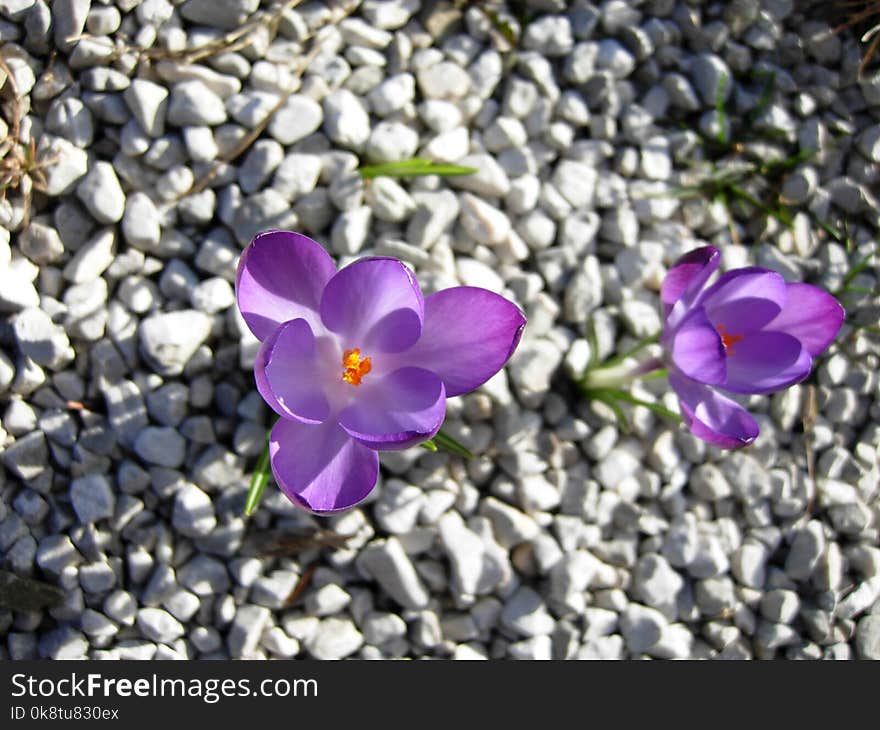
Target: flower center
[354,367]
[728,340]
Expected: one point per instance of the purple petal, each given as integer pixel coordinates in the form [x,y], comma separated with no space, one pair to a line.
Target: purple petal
[736,294]
[375,305]
[689,275]
[811,315]
[396,411]
[712,417]
[696,349]
[319,467]
[286,371]
[468,336]
[280,277]
[764,362]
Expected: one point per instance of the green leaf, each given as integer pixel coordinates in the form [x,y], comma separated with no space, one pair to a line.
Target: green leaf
[445,441]
[262,472]
[416,167]
[857,269]
[655,407]
[428,445]
[26,594]
[638,347]
[723,138]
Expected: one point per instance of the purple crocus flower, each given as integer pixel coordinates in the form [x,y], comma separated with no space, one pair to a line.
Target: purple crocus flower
[356,361]
[750,332]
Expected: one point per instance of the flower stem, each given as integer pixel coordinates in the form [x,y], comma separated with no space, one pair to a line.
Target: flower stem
[259,480]
[618,374]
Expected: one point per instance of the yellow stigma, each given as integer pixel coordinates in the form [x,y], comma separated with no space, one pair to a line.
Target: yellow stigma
[354,367]
[728,340]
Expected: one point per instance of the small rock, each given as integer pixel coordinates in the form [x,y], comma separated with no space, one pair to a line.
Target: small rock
[641,627]
[299,117]
[247,627]
[193,104]
[168,340]
[160,445]
[92,498]
[193,513]
[388,564]
[334,638]
[158,625]
[346,122]
[525,613]
[101,193]
[40,339]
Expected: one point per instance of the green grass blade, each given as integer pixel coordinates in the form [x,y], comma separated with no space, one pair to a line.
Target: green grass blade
[723,137]
[857,269]
[445,441]
[429,445]
[655,407]
[638,347]
[262,471]
[416,167]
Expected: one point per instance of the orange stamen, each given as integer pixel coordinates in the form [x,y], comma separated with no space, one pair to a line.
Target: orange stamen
[354,367]
[728,340]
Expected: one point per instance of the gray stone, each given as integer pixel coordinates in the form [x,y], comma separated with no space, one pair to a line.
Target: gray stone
[193,513]
[247,627]
[101,193]
[655,582]
[346,122]
[297,118]
[93,258]
[273,590]
[780,606]
[160,445]
[158,625]
[40,243]
[525,614]
[170,339]
[805,551]
[386,562]
[55,553]
[140,222]
[69,20]
[641,627]
[445,80]
[868,637]
[17,290]
[125,410]
[97,577]
[334,638]
[40,339]
[204,576]
[712,79]
[92,498]
[148,102]
[65,642]
[223,14]
[27,456]
[68,164]
[194,104]
[121,606]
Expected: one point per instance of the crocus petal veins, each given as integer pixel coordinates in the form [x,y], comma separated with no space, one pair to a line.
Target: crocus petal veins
[412,354]
[769,332]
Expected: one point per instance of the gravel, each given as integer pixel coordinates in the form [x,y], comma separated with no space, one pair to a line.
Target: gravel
[129,422]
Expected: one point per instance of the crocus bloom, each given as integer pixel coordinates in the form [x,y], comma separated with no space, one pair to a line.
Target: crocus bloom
[750,332]
[357,361]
